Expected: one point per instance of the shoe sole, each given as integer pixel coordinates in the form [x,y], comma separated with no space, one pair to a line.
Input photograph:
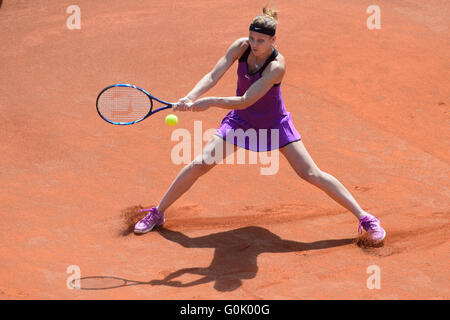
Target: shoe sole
[147,230]
[384,235]
[380,240]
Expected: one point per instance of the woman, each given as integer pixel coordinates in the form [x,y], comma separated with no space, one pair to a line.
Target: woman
[258,104]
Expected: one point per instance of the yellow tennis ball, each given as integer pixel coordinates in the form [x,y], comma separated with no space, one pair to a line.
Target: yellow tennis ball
[171,119]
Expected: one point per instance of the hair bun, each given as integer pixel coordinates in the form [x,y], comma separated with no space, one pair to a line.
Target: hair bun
[271,13]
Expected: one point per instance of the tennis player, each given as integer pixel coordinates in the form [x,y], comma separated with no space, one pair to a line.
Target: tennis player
[258,104]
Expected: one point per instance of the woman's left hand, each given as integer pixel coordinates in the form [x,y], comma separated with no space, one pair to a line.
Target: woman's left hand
[202,104]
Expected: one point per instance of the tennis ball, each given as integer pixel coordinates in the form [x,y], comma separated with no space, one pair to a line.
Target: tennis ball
[171,119]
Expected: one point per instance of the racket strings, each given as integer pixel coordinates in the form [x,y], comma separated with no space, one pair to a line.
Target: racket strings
[124,104]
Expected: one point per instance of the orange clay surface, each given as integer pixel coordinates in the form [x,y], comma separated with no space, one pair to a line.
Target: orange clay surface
[372,107]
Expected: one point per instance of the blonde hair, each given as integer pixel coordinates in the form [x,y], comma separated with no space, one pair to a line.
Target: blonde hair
[269,18]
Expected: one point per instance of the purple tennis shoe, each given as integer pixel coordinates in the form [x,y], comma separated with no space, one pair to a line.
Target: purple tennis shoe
[372,225]
[152,219]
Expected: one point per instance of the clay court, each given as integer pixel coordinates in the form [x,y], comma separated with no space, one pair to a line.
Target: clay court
[372,107]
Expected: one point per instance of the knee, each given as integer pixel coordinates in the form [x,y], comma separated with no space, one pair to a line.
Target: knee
[311,175]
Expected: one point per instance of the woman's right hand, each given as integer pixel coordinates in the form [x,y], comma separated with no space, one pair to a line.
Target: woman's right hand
[183,104]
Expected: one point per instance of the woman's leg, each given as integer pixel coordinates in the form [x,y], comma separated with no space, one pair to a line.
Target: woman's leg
[198,167]
[304,166]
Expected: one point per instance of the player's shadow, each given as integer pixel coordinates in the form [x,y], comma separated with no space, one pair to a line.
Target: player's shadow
[235,255]
[235,258]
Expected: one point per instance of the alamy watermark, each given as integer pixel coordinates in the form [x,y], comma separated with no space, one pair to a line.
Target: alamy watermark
[374,281]
[73,22]
[73,280]
[374,20]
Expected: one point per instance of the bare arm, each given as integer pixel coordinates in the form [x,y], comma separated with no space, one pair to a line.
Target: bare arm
[212,77]
[273,75]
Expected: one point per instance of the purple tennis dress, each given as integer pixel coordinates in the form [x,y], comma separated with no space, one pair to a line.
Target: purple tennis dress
[265,125]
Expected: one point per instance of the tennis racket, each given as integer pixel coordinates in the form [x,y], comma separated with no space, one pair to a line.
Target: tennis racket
[124,104]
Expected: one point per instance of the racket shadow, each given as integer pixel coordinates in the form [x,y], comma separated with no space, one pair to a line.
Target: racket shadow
[103,283]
